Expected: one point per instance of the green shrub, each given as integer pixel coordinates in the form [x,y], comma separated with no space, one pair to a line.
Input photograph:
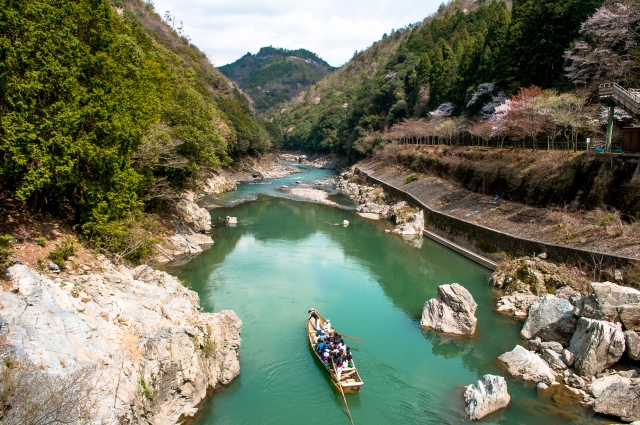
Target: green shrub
[186,283]
[41,241]
[6,242]
[209,348]
[134,238]
[147,390]
[61,253]
[411,178]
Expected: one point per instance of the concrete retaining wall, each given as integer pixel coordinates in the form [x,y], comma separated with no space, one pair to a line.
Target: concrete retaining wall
[493,244]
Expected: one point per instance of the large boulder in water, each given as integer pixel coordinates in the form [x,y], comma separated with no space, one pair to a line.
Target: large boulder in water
[452,311]
[596,345]
[551,319]
[486,396]
[613,303]
[526,365]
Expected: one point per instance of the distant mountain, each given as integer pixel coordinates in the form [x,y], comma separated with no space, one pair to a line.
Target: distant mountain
[275,76]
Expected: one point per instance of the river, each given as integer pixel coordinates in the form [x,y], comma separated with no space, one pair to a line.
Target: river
[285,257]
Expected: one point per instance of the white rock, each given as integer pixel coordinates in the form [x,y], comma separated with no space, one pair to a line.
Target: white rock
[613,303]
[596,345]
[632,341]
[615,395]
[522,363]
[550,318]
[131,324]
[486,396]
[414,226]
[516,305]
[194,217]
[452,311]
[553,359]
[568,358]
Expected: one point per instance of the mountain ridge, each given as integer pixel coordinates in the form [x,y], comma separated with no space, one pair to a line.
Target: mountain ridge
[274,76]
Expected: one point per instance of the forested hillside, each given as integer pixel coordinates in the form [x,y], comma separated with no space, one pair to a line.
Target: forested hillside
[274,76]
[464,61]
[105,111]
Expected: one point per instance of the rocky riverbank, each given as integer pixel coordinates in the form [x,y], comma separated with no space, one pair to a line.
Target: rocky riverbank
[152,352]
[374,203]
[578,348]
[192,223]
[579,338]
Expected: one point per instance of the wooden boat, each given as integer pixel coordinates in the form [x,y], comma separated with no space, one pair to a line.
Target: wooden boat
[350,379]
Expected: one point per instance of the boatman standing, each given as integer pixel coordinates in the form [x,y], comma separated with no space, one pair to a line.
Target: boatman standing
[315,318]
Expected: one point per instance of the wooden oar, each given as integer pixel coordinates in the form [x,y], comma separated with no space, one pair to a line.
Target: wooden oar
[335,370]
[352,337]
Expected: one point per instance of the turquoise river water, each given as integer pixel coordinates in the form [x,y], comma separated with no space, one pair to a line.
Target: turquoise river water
[285,256]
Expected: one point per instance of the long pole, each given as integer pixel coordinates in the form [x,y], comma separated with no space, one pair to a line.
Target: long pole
[352,337]
[335,371]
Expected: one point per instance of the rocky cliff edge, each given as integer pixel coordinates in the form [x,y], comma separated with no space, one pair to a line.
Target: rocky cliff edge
[154,352]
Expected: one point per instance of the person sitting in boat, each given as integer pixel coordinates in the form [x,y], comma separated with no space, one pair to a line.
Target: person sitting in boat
[349,358]
[320,347]
[338,361]
[316,320]
[325,354]
[327,327]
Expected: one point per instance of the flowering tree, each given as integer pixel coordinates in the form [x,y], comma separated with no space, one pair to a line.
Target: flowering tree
[609,42]
[518,118]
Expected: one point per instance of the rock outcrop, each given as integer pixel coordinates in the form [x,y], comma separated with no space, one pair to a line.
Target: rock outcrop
[373,208]
[613,303]
[534,275]
[413,226]
[192,216]
[526,365]
[486,396]
[618,396]
[138,328]
[516,305]
[215,184]
[550,318]
[596,345]
[180,246]
[452,311]
[632,341]
[554,360]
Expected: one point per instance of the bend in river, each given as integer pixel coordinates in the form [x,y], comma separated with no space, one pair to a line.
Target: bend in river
[285,257]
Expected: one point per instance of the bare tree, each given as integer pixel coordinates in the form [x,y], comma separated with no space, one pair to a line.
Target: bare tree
[30,396]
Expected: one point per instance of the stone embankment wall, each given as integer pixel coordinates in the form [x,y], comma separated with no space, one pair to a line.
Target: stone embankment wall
[488,242]
[155,354]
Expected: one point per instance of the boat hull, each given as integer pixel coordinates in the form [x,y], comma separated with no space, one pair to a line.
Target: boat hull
[350,385]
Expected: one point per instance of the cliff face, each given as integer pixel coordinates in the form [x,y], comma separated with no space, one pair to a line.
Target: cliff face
[154,352]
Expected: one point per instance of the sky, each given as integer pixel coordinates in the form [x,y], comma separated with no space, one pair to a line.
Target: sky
[334,29]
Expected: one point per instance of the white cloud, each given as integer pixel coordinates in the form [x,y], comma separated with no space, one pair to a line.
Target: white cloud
[225,30]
